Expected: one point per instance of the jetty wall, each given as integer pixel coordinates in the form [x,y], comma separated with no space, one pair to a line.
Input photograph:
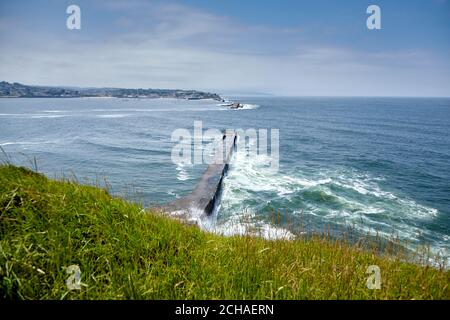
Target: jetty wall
[203,199]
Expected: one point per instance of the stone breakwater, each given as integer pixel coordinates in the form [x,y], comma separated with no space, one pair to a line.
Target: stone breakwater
[202,201]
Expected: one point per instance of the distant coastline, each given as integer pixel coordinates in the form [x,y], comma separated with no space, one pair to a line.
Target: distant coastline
[18,90]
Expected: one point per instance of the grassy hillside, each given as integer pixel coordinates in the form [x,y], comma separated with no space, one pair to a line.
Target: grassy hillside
[124,252]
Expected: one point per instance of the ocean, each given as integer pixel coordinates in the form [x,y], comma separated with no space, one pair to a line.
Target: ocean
[379,165]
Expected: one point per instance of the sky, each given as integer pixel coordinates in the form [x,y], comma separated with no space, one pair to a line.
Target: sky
[279,47]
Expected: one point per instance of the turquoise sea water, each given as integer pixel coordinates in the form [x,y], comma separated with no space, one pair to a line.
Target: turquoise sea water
[378,164]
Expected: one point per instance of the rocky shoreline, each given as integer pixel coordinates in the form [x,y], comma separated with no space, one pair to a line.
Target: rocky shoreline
[18,90]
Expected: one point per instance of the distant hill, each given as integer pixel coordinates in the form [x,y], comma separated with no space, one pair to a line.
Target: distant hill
[18,90]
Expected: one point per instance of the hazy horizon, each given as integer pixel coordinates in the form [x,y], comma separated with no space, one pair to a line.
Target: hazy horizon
[231,94]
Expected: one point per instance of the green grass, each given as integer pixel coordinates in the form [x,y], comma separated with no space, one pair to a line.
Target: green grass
[125,252]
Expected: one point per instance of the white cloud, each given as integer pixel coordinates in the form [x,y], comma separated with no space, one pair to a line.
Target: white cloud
[181,47]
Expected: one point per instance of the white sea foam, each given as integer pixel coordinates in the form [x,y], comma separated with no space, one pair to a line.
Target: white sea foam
[172,193]
[247,224]
[182,171]
[33,116]
[245,106]
[341,196]
[112,116]
[41,116]
[25,143]
[363,185]
[248,106]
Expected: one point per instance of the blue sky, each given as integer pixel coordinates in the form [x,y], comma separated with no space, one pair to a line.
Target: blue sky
[284,47]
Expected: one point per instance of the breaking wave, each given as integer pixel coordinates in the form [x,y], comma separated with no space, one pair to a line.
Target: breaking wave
[335,196]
